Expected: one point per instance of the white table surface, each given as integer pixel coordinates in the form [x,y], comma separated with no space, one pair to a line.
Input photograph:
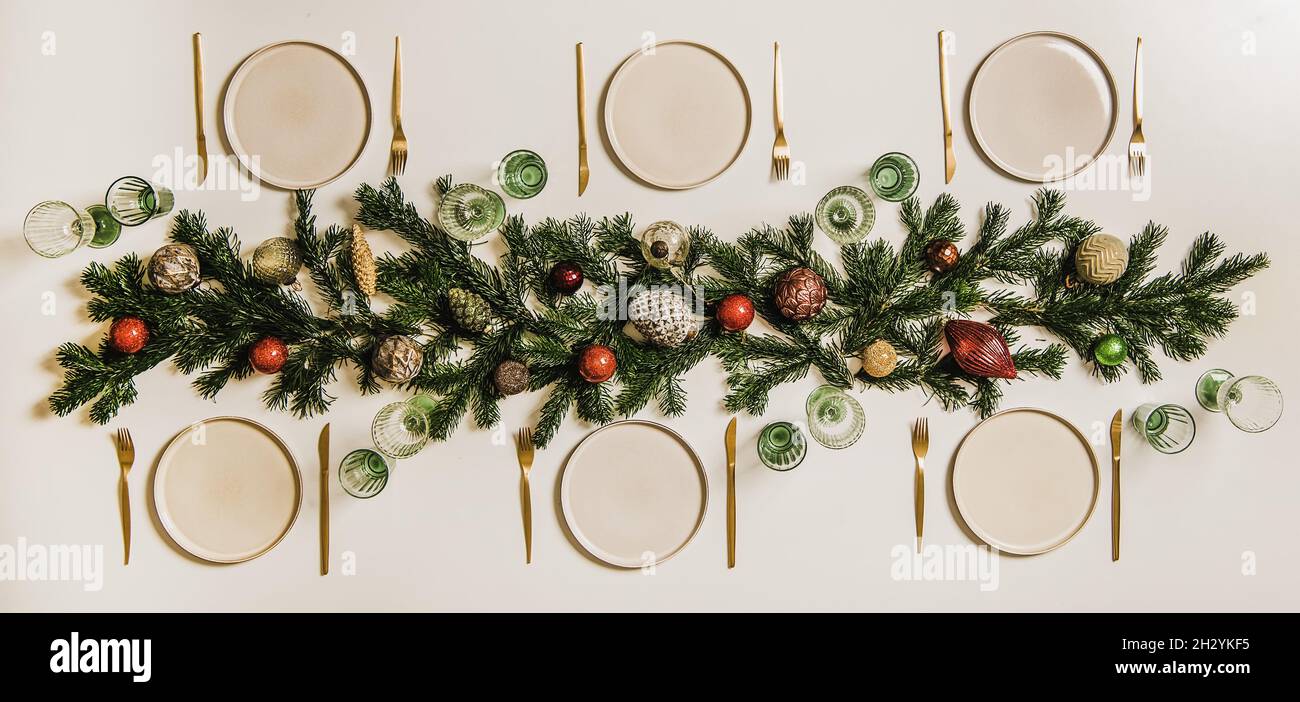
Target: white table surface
[93,91]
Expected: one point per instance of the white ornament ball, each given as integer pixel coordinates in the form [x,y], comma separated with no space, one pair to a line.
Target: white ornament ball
[662,317]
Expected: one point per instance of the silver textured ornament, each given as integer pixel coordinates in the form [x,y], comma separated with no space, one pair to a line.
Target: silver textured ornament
[397,359]
[662,317]
[277,261]
[1101,259]
[665,245]
[174,268]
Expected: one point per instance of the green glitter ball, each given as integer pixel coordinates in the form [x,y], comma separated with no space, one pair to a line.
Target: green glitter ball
[1110,350]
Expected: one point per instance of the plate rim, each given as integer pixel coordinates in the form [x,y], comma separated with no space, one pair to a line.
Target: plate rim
[1096,482]
[1003,166]
[227,115]
[564,491]
[284,446]
[607,116]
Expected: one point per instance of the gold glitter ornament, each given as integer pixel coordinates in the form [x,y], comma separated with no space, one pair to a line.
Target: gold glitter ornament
[879,359]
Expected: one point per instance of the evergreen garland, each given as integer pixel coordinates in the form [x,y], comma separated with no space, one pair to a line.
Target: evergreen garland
[879,293]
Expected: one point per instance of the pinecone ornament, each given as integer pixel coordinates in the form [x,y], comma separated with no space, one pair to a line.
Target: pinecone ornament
[363,262]
[800,294]
[662,317]
[469,310]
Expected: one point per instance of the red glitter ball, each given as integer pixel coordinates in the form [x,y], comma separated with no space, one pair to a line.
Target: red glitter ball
[597,364]
[735,312]
[566,277]
[268,355]
[128,334]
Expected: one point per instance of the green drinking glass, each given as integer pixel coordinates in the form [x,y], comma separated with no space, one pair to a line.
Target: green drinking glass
[53,229]
[400,429]
[894,176]
[835,419]
[363,473]
[468,212]
[846,214]
[781,446]
[133,201]
[522,174]
[107,229]
[1168,428]
[1252,403]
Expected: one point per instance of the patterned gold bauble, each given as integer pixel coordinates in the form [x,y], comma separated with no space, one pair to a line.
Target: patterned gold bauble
[174,268]
[277,261]
[397,359]
[1101,259]
[879,359]
[363,262]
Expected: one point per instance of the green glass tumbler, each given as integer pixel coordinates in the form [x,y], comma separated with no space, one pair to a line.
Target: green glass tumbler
[1168,428]
[846,214]
[107,229]
[894,176]
[781,446]
[522,174]
[363,473]
[53,229]
[835,419]
[400,429]
[468,212]
[1252,403]
[133,200]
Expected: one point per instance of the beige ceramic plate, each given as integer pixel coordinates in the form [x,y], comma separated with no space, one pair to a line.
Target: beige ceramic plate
[1043,106]
[227,489]
[633,493]
[1025,481]
[297,114]
[677,114]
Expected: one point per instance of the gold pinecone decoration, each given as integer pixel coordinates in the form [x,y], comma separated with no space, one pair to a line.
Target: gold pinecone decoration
[363,262]
[469,310]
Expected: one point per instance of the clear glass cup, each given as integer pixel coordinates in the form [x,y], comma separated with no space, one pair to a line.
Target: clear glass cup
[400,429]
[1252,403]
[835,419]
[1168,428]
[53,228]
[522,174]
[781,446]
[133,200]
[468,212]
[364,473]
[107,229]
[894,177]
[846,214]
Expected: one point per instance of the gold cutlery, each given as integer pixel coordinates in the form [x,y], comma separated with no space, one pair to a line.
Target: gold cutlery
[730,440]
[525,453]
[780,148]
[398,149]
[323,447]
[920,446]
[1116,430]
[1137,145]
[125,457]
[583,173]
[202,137]
[949,158]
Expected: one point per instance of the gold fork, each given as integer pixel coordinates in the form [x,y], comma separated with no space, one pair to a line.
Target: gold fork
[920,446]
[398,149]
[525,452]
[125,457]
[1137,146]
[780,148]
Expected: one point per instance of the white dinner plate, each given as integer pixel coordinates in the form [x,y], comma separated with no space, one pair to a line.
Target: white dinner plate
[297,114]
[633,493]
[1043,106]
[677,114]
[1025,481]
[227,489]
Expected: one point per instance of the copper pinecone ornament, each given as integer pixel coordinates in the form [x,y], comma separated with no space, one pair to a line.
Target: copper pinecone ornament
[800,294]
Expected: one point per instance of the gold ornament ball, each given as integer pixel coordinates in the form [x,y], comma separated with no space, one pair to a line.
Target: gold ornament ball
[879,359]
[277,261]
[1101,259]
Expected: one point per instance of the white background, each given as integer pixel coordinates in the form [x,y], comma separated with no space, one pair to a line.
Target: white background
[485,78]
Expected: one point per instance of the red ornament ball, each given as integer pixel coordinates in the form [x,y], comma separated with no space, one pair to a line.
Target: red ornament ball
[268,355]
[128,334]
[566,277]
[597,364]
[735,312]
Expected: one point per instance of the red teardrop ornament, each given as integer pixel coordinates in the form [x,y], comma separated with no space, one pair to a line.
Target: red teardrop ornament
[979,349]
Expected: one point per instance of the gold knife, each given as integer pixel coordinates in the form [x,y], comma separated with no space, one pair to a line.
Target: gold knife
[324,449]
[583,173]
[731,493]
[1116,429]
[949,158]
[198,108]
